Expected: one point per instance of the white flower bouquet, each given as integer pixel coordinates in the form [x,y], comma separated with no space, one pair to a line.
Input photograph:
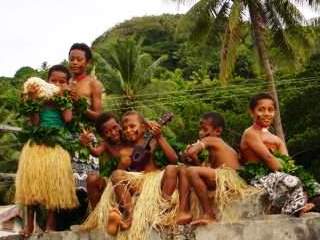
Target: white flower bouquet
[36,87]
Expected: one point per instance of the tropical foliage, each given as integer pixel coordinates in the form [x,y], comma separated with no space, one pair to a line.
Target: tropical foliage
[274,23]
[146,64]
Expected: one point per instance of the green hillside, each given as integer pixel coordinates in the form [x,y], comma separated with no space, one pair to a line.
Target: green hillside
[150,64]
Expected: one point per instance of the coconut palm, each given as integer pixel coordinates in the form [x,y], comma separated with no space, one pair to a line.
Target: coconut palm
[272,21]
[127,71]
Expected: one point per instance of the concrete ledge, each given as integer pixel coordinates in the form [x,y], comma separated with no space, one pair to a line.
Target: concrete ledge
[268,227]
[271,227]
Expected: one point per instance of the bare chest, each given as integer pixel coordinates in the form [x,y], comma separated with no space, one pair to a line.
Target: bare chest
[83,89]
[270,141]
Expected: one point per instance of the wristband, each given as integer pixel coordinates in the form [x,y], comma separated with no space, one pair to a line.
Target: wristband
[203,146]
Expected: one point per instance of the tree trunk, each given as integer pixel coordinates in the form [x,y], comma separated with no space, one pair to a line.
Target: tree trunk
[258,33]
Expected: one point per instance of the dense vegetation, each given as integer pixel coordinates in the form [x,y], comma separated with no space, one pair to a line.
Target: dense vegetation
[148,64]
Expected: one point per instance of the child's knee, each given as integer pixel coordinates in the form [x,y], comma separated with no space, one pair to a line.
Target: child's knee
[92,180]
[182,171]
[191,173]
[117,176]
[171,171]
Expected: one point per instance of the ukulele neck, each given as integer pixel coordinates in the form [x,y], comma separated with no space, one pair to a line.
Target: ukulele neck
[147,141]
[162,121]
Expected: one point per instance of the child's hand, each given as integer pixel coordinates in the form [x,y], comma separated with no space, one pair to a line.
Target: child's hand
[192,154]
[86,138]
[193,150]
[33,91]
[154,128]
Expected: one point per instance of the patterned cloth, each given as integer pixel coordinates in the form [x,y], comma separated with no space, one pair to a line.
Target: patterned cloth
[256,170]
[82,168]
[284,191]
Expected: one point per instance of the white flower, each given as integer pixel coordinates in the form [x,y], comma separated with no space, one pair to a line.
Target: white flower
[40,88]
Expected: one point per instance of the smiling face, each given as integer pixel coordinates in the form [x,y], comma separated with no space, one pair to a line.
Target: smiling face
[111,131]
[133,127]
[77,61]
[207,128]
[263,113]
[58,78]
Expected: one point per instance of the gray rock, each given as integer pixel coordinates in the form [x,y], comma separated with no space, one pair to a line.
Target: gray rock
[267,227]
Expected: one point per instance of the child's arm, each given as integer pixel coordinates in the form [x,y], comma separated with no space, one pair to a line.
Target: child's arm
[193,150]
[97,151]
[86,140]
[167,149]
[162,142]
[255,143]
[67,115]
[35,119]
[190,157]
[32,94]
[96,104]
[282,147]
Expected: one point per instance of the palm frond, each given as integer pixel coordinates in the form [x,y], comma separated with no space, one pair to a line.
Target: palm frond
[198,20]
[218,24]
[231,41]
[277,31]
[289,14]
[114,80]
[315,22]
[315,4]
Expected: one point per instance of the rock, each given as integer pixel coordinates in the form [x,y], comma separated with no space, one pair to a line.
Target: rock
[252,206]
[267,227]
[69,235]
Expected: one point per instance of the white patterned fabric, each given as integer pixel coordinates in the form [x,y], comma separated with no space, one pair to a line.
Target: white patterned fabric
[284,191]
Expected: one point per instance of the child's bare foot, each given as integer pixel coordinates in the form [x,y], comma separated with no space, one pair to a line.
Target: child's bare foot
[126,224]
[307,208]
[183,218]
[49,228]
[114,221]
[26,232]
[204,220]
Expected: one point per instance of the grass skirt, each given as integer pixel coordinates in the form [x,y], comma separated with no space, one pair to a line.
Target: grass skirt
[151,210]
[230,187]
[45,177]
[98,218]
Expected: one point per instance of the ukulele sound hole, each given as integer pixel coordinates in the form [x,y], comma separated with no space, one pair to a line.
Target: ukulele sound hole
[136,156]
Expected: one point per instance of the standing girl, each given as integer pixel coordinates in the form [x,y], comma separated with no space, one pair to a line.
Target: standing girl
[44,174]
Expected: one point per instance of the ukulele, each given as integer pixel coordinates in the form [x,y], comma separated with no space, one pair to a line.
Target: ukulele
[141,153]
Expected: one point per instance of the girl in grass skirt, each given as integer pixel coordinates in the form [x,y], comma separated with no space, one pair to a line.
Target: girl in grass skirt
[44,175]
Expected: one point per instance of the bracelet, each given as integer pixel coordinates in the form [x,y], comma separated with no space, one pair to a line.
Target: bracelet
[203,146]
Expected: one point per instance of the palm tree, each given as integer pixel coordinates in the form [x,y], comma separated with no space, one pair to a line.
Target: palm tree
[276,21]
[126,71]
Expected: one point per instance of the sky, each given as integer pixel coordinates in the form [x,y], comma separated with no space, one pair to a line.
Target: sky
[34,31]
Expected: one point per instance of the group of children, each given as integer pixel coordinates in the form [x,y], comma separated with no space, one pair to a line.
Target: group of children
[133,200]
